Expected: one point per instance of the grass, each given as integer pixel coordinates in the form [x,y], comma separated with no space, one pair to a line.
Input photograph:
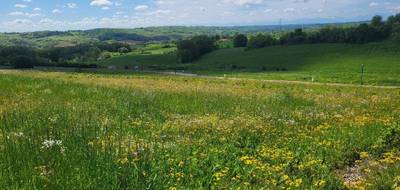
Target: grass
[338,63]
[323,62]
[151,56]
[104,131]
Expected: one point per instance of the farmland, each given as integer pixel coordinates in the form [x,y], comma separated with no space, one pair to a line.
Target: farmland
[143,131]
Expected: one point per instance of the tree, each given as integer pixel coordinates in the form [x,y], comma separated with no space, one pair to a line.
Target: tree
[22,62]
[192,49]
[187,51]
[240,40]
[123,50]
[204,44]
[260,41]
[377,21]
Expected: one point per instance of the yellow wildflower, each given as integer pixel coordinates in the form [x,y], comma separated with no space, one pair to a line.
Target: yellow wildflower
[320,184]
[364,155]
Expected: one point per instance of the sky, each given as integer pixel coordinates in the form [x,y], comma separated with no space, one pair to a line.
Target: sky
[37,15]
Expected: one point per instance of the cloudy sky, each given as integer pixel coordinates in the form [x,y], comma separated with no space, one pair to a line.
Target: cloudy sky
[33,15]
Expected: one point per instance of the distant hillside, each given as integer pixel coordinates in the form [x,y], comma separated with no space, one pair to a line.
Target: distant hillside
[55,38]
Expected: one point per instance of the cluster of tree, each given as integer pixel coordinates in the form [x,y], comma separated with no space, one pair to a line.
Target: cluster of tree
[192,49]
[121,36]
[376,30]
[26,57]
[43,34]
[83,52]
[18,56]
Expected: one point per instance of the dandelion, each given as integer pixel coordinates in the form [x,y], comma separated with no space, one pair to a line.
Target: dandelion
[285,177]
[298,182]
[364,155]
[248,160]
[123,161]
[320,183]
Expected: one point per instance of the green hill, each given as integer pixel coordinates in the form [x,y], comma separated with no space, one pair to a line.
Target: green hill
[323,62]
[318,62]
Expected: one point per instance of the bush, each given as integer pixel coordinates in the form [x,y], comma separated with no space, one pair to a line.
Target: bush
[22,62]
[240,40]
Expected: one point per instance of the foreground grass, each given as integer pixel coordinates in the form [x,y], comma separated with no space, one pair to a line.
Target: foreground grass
[93,131]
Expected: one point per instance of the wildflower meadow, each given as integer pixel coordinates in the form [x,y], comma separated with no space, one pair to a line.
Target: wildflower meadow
[143,131]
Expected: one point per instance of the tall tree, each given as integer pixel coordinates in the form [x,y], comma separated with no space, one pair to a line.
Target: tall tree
[240,40]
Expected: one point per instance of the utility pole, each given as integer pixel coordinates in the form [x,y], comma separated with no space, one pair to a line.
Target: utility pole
[362,74]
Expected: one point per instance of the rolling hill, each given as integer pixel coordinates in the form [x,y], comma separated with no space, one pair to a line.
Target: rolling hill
[312,62]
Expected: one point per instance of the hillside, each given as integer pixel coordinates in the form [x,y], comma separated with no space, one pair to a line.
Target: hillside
[42,39]
[321,62]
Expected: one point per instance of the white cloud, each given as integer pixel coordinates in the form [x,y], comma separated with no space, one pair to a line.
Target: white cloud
[289,10]
[56,11]
[72,5]
[20,6]
[141,8]
[373,4]
[100,3]
[244,2]
[24,14]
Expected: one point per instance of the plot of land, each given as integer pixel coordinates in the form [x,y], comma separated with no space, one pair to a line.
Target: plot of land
[104,131]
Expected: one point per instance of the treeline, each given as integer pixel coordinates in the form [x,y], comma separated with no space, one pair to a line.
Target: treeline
[26,57]
[376,30]
[120,36]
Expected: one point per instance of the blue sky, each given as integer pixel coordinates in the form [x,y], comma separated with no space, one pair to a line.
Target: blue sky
[33,15]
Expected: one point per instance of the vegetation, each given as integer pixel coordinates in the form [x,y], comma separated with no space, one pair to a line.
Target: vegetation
[337,63]
[22,62]
[240,40]
[191,49]
[160,132]
[376,30]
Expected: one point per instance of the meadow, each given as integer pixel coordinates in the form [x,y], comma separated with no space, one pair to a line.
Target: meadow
[331,63]
[142,131]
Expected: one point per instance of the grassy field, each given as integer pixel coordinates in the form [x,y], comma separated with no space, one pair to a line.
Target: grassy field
[340,63]
[105,131]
